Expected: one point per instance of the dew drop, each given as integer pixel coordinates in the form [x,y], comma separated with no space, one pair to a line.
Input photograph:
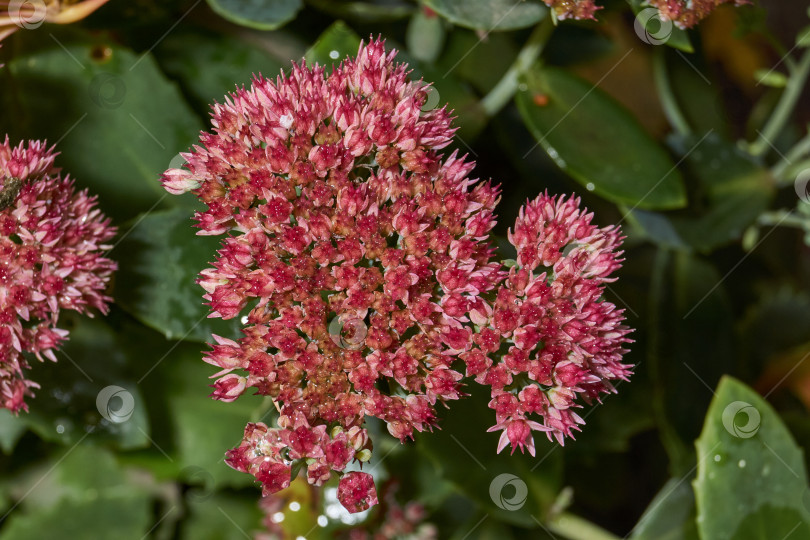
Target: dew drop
[741,463]
[295,506]
[60,429]
[323,521]
[589,186]
[244,319]
[717,458]
[334,55]
[278,517]
[522,87]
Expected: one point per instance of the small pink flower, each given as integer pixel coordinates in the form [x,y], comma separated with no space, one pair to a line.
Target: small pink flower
[356,491]
[687,13]
[52,241]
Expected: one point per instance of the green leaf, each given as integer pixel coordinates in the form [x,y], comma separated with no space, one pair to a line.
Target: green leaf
[258,14]
[83,495]
[220,516]
[490,15]
[771,77]
[204,429]
[732,192]
[336,43]
[670,515]
[803,37]
[66,408]
[117,120]
[515,488]
[425,36]
[210,65]
[690,347]
[159,260]
[751,481]
[597,142]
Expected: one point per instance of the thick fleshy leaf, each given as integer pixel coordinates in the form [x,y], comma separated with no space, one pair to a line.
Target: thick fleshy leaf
[159,260]
[733,189]
[425,36]
[751,480]
[490,15]
[597,142]
[210,65]
[336,43]
[259,14]
[117,120]
[671,514]
[204,429]
[690,347]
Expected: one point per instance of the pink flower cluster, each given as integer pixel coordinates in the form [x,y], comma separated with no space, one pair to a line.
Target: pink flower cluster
[359,260]
[564,340]
[687,13]
[51,244]
[573,9]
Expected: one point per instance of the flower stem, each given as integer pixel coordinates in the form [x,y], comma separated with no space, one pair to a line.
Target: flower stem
[667,97]
[784,108]
[799,150]
[500,95]
[577,528]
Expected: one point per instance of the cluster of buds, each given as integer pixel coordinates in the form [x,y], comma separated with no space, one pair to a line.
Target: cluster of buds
[52,240]
[563,339]
[270,455]
[687,13]
[359,260]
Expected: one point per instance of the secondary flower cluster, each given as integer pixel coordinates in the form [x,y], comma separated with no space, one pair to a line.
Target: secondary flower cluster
[51,243]
[360,263]
[30,14]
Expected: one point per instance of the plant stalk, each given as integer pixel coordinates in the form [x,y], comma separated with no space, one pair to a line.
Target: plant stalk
[500,95]
[783,110]
[576,528]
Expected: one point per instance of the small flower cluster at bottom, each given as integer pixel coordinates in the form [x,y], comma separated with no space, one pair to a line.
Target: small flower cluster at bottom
[270,455]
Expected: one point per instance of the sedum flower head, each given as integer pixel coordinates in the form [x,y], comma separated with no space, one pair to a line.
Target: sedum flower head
[358,258]
[573,9]
[563,339]
[51,243]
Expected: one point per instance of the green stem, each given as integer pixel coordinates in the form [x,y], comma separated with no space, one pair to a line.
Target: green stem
[577,528]
[668,101]
[784,218]
[784,108]
[499,96]
[797,152]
